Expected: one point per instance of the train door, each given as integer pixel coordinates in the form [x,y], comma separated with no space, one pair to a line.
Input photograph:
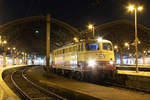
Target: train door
[78,56]
[81,56]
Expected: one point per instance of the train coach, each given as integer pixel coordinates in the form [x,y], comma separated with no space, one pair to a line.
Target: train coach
[85,58]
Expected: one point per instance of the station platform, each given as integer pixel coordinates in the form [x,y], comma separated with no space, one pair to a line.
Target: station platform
[140,66]
[5,92]
[129,72]
[145,67]
[144,70]
[97,91]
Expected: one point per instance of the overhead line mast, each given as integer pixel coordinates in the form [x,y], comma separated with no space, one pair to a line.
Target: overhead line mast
[48,40]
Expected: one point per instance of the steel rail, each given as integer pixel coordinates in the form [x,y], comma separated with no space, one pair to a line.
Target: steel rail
[41,88]
[27,96]
[18,88]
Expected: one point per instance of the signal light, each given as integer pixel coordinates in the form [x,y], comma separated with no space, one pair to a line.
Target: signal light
[36,31]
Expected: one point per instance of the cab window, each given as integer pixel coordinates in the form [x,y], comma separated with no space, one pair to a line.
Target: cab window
[92,46]
[107,46]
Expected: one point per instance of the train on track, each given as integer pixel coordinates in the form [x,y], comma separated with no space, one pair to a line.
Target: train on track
[84,59]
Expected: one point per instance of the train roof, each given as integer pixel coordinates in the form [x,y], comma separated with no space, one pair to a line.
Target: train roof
[103,40]
[66,46]
[73,44]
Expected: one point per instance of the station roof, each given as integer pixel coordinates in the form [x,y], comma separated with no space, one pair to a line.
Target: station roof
[121,31]
[29,34]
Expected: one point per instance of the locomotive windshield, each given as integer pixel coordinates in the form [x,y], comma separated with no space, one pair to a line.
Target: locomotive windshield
[92,46]
[107,46]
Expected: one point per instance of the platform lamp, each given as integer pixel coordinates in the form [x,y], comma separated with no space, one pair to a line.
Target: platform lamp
[134,8]
[91,27]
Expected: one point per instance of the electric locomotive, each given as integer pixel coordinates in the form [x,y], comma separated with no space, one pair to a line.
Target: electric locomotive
[88,56]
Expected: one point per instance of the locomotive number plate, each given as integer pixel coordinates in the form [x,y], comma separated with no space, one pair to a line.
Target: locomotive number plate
[101,56]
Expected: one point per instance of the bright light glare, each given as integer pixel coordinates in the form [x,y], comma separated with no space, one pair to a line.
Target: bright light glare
[131,7]
[91,63]
[130,55]
[111,62]
[115,47]
[76,39]
[140,8]
[8,48]
[90,26]
[126,44]
[139,42]
[14,48]
[99,39]
[5,42]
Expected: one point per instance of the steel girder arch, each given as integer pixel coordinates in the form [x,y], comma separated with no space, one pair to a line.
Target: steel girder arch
[17,30]
[123,31]
[63,37]
[41,18]
[58,40]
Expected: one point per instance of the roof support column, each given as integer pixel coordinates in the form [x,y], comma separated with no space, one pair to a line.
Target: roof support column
[48,40]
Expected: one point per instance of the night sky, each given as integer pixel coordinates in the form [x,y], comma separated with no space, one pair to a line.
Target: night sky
[74,12]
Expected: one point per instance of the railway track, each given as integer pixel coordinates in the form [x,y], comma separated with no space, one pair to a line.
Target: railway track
[28,90]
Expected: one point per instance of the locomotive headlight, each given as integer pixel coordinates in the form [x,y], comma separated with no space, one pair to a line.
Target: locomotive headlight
[111,62]
[91,63]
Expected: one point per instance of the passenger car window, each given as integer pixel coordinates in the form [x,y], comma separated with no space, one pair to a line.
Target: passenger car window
[82,47]
[78,47]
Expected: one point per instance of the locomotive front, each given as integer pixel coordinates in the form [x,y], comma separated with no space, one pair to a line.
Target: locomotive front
[99,55]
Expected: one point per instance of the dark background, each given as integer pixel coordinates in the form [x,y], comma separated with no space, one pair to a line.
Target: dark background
[74,12]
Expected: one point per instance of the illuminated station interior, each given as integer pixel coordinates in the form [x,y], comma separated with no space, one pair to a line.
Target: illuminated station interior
[75,50]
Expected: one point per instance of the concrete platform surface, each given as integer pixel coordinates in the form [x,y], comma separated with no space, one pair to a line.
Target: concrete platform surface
[140,73]
[140,66]
[5,92]
[97,91]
